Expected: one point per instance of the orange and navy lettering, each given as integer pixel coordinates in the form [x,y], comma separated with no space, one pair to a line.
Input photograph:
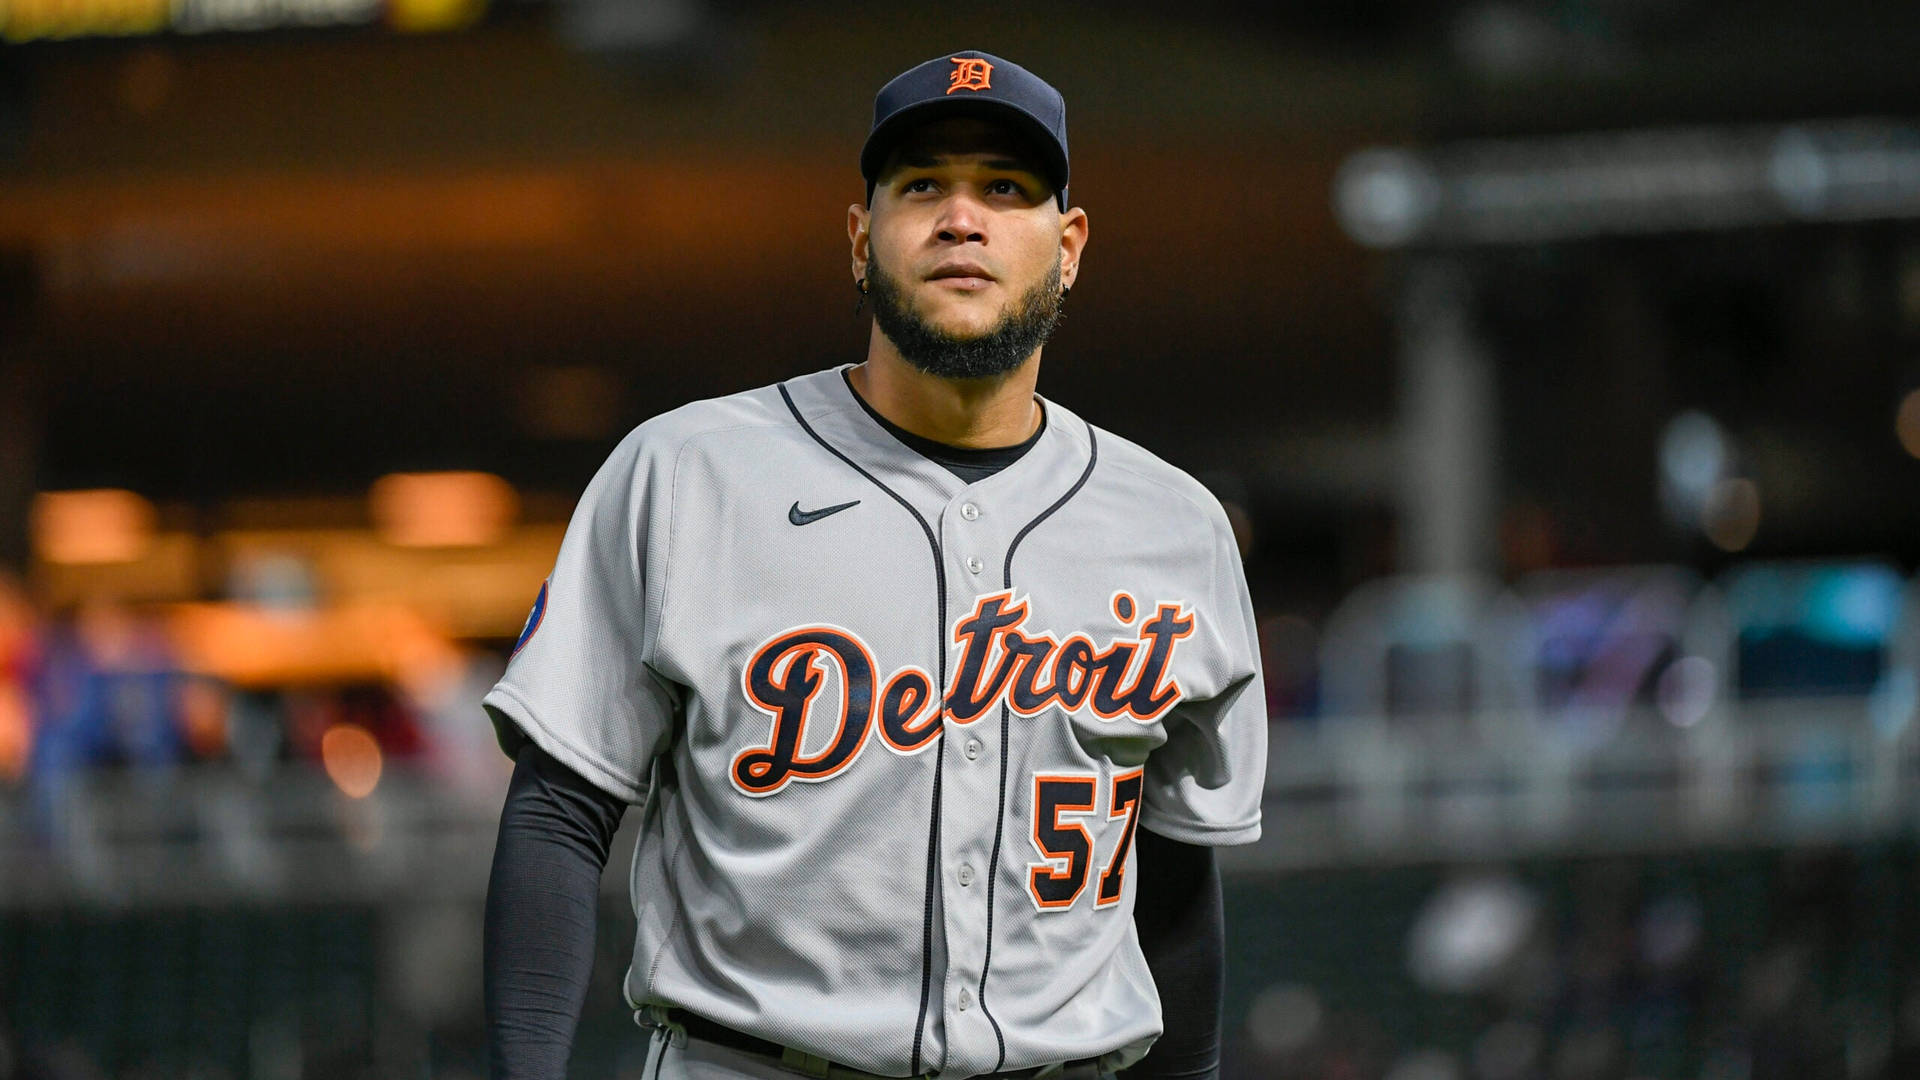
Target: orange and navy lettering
[970,73]
[999,663]
[1124,803]
[782,680]
[1060,876]
[906,697]
[1053,886]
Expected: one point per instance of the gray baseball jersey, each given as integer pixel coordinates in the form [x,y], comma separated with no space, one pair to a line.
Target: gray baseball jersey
[893,732]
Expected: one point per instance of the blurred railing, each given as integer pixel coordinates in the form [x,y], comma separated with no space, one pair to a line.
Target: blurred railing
[1355,791]
[207,833]
[1638,710]
[1787,772]
[1635,709]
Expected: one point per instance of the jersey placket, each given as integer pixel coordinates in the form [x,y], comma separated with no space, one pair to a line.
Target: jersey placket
[974,543]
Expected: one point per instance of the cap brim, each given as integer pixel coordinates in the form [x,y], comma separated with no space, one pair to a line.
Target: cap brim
[880,143]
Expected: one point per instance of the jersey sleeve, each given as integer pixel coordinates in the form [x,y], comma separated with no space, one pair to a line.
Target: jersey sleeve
[1204,784]
[579,683]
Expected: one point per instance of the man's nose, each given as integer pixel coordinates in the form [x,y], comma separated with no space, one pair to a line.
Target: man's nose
[962,219]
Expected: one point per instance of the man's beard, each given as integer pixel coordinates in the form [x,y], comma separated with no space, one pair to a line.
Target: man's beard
[938,353]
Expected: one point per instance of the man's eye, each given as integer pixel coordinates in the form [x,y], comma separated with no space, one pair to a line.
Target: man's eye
[1004,187]
[921,184]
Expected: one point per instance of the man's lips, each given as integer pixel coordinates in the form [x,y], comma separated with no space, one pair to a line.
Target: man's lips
[962,275]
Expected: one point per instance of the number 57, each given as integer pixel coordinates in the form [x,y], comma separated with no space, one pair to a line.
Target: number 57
[1066,848]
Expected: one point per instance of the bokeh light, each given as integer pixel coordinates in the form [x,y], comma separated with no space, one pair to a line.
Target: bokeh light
[1284,1019]
[1731,516]
[1686,690]
[16,733]
[1906,423]
[442,509]
[85,527]
[352,759]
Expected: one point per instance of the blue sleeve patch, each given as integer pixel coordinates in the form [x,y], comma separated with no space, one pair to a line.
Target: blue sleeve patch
[533,619]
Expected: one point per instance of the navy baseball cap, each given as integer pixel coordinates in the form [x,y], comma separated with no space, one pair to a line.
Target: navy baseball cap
[970,83]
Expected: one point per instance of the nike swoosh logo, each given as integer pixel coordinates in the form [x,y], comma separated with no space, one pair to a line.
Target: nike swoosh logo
[808,517]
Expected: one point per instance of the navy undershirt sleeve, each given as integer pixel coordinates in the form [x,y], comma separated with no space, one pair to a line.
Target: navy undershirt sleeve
[1178,915]
[556,831]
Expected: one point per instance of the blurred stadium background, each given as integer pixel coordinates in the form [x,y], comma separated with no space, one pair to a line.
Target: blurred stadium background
[1559,361]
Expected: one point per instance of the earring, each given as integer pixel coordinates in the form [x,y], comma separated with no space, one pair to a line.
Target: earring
[862,302]
[1064,291]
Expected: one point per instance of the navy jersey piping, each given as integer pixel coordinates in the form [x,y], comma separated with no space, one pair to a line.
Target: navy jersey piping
[940,637]
[999,825]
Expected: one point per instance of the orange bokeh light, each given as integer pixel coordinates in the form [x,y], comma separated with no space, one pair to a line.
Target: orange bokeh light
[85,527]
[352,759]
[203,717]
[443,509]
[16,733]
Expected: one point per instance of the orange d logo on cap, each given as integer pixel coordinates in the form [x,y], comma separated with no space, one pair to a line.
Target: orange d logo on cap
[970,73]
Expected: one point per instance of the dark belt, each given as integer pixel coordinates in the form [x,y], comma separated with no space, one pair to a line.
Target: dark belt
[700,1027]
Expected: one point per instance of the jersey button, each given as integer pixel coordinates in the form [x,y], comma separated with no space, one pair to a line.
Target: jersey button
[969,511]
[972,749]
[974,565]
[966,875]
[966,999]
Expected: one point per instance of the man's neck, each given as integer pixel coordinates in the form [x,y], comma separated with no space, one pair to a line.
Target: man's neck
[975,413]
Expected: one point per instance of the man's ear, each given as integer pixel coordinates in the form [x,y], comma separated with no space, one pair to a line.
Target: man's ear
[1073,241]
[858,218]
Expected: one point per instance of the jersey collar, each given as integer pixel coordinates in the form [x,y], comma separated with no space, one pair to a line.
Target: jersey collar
[836,416]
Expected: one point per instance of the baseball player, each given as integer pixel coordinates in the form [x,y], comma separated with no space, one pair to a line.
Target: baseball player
[934,697]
